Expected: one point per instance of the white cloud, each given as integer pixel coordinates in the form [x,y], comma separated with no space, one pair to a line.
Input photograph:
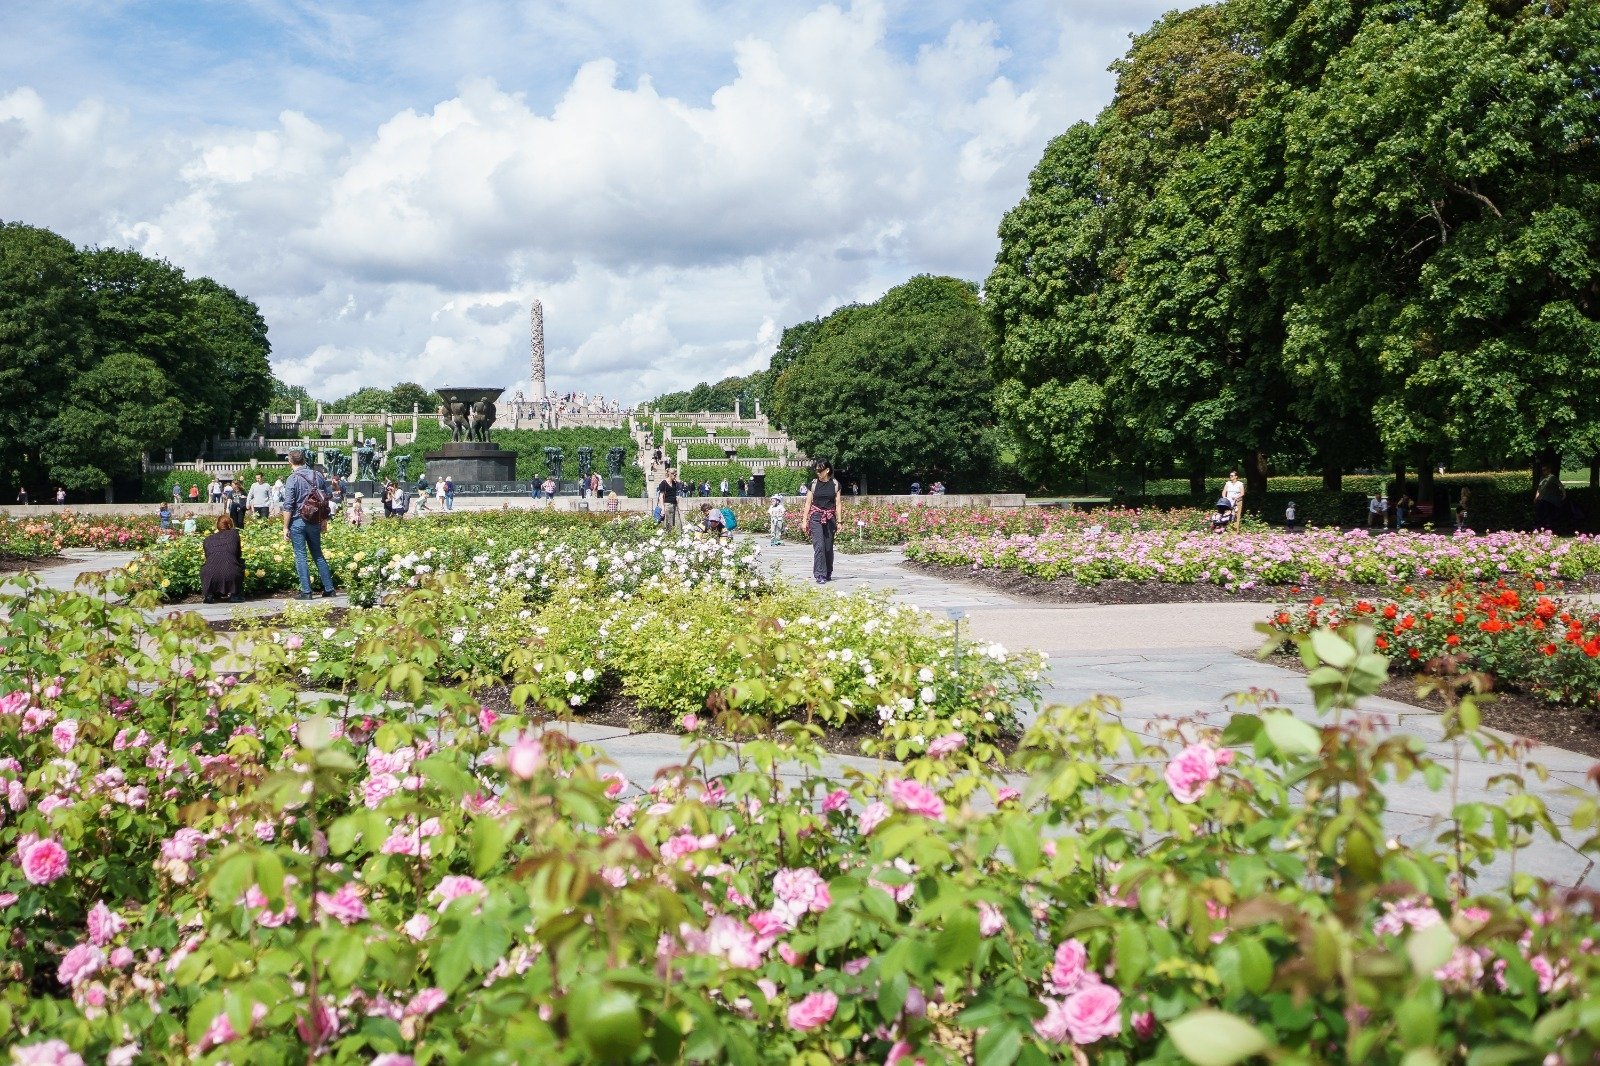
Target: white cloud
[671,236]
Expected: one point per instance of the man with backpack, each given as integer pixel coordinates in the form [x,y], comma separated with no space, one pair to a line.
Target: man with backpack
[305,516]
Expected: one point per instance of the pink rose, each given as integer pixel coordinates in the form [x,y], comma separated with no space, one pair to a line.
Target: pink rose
[417,926]
[1092,1013]
[802,891]
[947,744]
[916,798]
[486,719]
[43,861]
[524,757]
[394,1058]
[426,1002]
[104,923]
[990,920]
[690,722]
[813,1011]
[837,800]
[65,735]
[293,641]
[454,887]
[616,784]
[1190,771]
[871,816]
[344,905]
[79,963]
[1071,968]
[1144,1025]
[48,1053]
[121,958]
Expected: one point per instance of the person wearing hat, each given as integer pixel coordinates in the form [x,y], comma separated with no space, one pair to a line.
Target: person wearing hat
[775,515]
[356,512]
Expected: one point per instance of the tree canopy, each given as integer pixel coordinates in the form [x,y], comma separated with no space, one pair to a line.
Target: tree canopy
[106,353]
[718,397]
[896,389]
[1323,234]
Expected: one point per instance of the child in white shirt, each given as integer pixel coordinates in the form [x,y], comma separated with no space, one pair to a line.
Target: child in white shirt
[775,519]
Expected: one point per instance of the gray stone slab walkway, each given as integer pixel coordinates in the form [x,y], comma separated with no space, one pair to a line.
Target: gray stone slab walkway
[1169,661]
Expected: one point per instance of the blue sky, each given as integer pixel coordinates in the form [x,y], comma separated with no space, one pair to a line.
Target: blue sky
[678,181]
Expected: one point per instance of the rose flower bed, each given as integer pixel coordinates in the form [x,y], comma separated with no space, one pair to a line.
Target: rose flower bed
[889,524]
[664,622]
[41,536]
[199,868]
[1246,561]
[1525,635]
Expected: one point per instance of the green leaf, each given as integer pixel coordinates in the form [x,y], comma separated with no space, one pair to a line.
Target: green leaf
[999,1046]
[489,839]
[231,878]
[1289,734]
[316,732]
[1209,1037]
[1430,948]
[957,943]
[1332,648]
[1132,954]
[342,833]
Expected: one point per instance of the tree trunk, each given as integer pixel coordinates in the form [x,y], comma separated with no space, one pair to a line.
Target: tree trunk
[1255,474]
[1594,472]
[1197,480]
[1399,472]
[108,493]
[1332,477]
[1425,475]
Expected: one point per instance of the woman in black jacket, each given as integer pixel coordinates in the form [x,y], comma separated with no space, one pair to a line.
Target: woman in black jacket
[222,574]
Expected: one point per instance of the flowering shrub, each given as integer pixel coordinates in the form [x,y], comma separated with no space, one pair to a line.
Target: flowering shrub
[1247,560]
[668,622]
[38,536]
[204,869]
[1523,634]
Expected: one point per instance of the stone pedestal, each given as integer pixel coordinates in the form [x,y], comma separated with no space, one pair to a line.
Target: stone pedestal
[472,462]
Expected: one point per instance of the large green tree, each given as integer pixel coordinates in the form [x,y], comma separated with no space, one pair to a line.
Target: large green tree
[46,338]
[897,389]
[117,410]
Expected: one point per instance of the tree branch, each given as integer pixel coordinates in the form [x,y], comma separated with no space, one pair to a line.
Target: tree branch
[1476,195]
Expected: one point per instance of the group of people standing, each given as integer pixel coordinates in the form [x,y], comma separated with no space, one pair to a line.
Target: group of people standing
[306,503]
[24,501]
[820,515]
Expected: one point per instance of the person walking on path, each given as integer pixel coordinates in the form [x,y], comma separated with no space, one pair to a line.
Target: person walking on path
[667,499]
[449,494]
[1461,510]
[194,494]
[22,497]
[356,513]
[177,494]
[222,573]
[819,517]
[303,522]
[438,493]
[277,494]
[1233,492]
[214,490]
[260,496]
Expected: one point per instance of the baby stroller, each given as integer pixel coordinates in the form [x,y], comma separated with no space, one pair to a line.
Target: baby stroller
[1222,516]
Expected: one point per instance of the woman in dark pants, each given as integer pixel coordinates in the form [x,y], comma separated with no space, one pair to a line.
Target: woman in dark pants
[222,574]
[820,520]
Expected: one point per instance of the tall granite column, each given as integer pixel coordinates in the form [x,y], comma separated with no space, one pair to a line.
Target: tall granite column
[536,351]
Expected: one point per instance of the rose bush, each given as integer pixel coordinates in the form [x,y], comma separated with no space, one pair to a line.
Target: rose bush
[901,523]
[398,875]
[39,536]
[1247,560]
[1526,635]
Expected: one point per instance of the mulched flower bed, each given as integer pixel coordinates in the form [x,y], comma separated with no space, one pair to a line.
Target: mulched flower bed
[1065,590]
[11,564]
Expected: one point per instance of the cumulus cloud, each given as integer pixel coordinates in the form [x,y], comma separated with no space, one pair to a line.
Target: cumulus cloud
[670,234]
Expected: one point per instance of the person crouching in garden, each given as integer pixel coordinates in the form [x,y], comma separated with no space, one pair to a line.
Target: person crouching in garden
[222,573]
[711,520]
[819,517]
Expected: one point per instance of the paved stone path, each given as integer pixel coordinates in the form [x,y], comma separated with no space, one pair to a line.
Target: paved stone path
[1161,661]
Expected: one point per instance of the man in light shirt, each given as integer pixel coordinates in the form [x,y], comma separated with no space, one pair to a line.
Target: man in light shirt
[260,496]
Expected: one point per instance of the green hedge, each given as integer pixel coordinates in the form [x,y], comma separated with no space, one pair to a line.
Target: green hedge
[157,488]
[679,432]
[732,433]
[779,478]
[706,451]
[1506,480]
[1490,505]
